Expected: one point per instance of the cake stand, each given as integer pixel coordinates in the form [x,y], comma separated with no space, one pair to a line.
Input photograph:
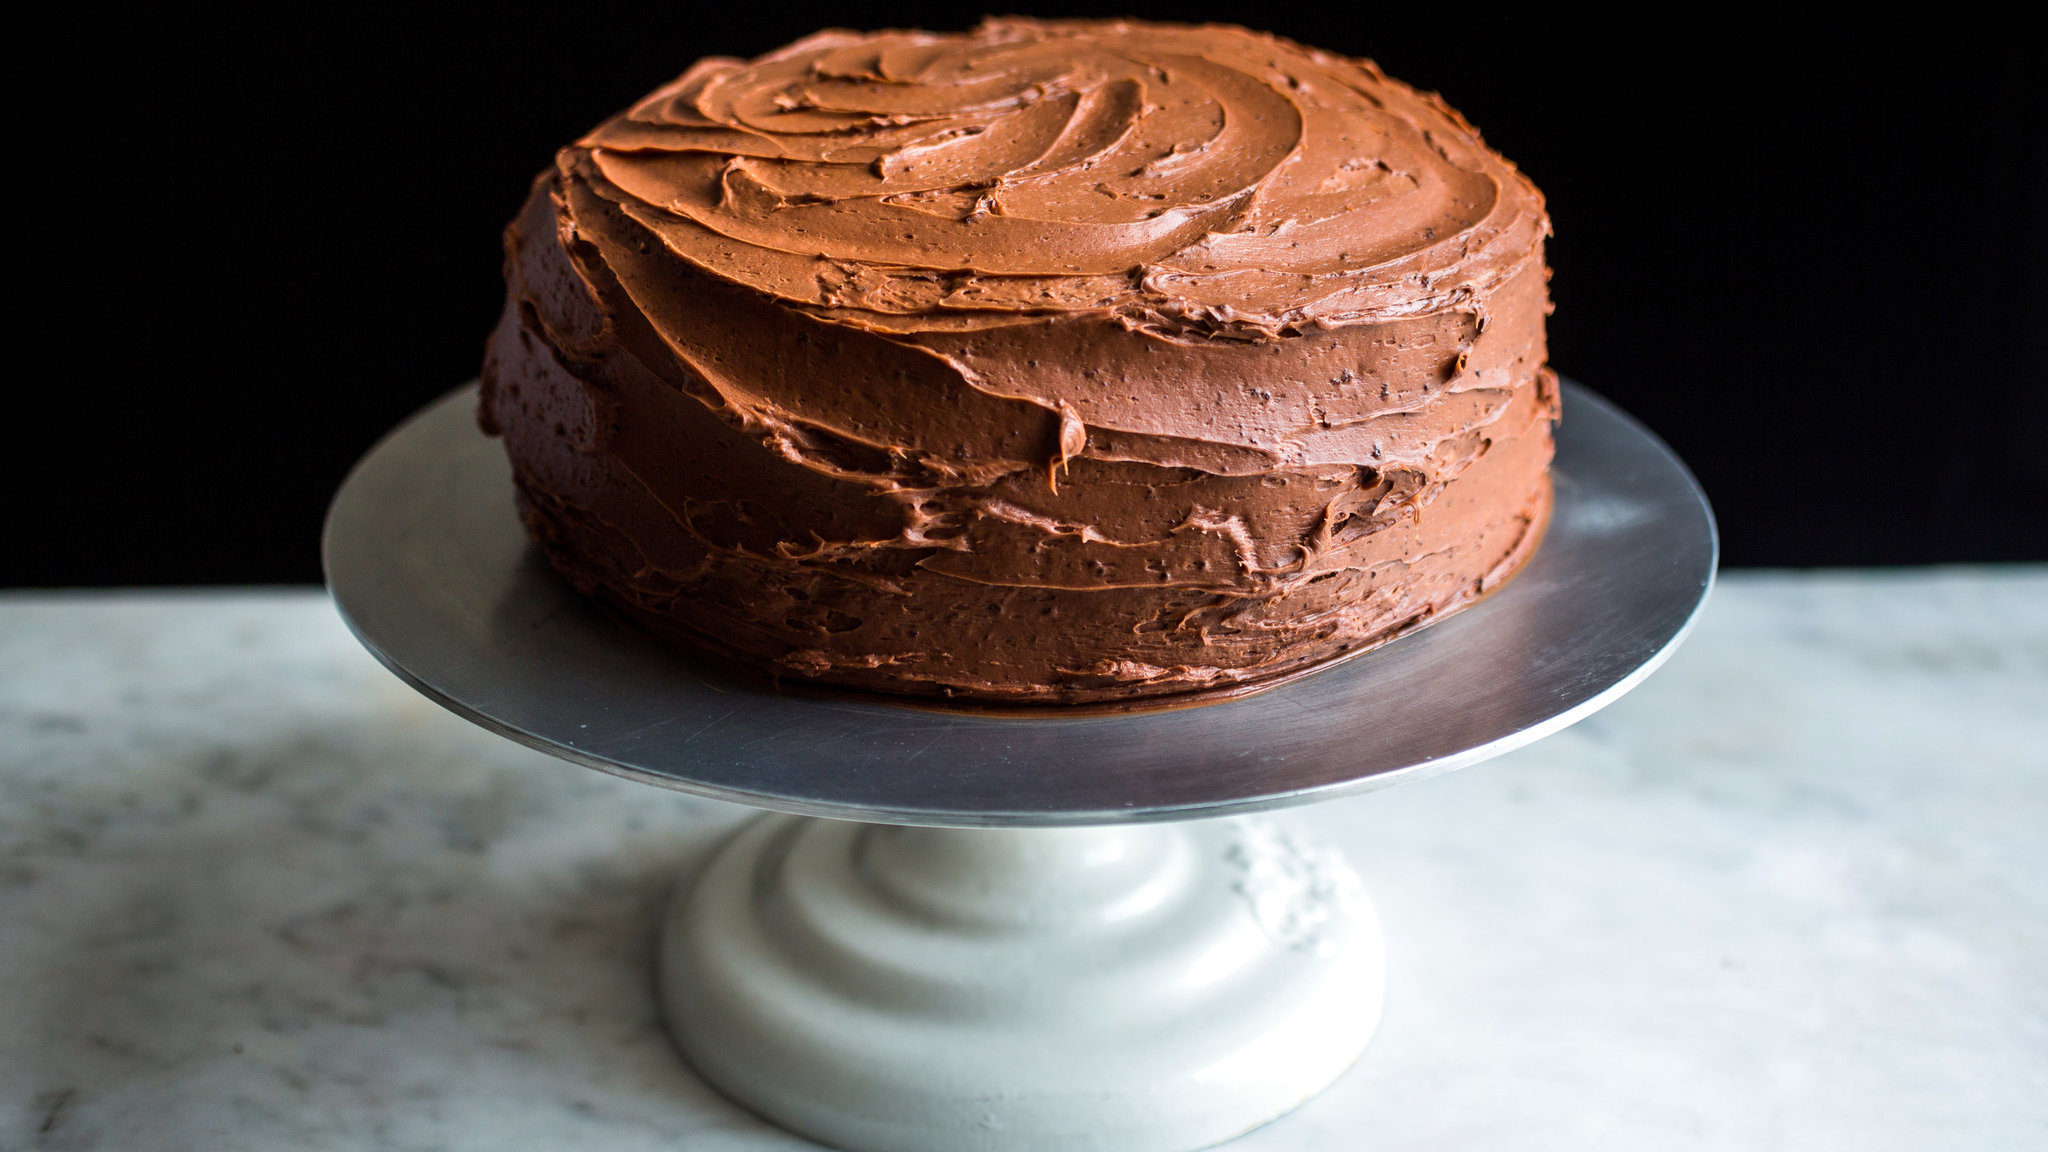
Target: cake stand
[961,931]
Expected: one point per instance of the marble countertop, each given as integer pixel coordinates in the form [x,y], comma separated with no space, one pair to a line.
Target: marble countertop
[1790,894]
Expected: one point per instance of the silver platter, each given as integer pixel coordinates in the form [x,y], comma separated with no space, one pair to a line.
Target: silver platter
[429,564]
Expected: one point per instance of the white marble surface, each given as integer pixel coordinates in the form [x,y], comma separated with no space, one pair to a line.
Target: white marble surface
[1791,894]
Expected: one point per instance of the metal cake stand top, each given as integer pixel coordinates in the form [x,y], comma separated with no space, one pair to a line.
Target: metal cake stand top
[429,565]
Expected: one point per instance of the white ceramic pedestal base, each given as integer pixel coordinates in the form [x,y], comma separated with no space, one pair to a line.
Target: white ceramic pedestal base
[1142,988]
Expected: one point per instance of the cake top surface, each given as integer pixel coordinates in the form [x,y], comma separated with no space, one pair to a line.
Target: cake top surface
[1193,182]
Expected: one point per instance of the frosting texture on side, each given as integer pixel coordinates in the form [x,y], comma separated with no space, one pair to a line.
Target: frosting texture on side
[1052,362]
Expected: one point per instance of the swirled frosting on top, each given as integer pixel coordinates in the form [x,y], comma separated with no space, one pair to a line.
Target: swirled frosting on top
[1197,180]
[1049,362]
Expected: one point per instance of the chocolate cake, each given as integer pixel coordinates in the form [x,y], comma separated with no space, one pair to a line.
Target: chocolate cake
[1052,362]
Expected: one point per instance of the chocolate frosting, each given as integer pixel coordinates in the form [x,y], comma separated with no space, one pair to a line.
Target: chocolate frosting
[1050,362]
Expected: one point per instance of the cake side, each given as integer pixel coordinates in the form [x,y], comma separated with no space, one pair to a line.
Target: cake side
[1278,397]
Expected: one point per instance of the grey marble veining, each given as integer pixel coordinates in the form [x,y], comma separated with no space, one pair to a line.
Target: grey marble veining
[1792,893]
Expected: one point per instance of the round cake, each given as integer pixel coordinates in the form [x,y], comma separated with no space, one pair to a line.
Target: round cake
[1052,362]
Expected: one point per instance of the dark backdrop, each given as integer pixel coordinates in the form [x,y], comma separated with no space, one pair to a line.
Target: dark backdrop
[1811,258]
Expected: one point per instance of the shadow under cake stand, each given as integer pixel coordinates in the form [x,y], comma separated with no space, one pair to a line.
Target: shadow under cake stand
[975,932]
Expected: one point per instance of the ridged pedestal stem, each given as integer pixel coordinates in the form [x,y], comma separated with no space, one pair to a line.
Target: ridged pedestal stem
[1146,988]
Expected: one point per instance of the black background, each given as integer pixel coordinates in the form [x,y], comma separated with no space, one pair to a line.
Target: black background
[1813,258]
